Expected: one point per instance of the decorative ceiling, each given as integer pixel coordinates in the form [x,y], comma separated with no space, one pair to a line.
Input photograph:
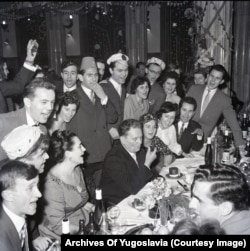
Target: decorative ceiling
[19,10]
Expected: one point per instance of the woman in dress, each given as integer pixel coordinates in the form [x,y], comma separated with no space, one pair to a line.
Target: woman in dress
[166,130]
[164,155]
[65,109]
[137,103]
[65,194]
[169,86]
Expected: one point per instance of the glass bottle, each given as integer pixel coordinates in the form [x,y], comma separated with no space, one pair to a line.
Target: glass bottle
[81,230]
[226,140]
[247,149]
[244,126]
[236,157]
[65,226]
[208,153]
[100,213]
[91,228]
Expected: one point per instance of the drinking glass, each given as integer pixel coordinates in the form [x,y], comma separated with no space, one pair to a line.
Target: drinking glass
[140,206]
[113,213]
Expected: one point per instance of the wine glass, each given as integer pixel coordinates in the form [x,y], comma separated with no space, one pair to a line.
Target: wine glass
[140,205]
[113,213]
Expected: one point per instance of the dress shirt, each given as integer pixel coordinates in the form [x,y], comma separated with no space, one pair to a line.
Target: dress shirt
[67,89]
[116,86]
[30,120]
[180,125]
[17,220]
[30,67]
[133,155]
[211,94]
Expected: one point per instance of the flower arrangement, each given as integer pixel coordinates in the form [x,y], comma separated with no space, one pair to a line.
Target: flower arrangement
[159,189]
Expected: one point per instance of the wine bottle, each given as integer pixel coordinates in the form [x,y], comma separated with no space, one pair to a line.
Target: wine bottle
[244,126]
[226,140]
[81,230]
[65,226]
[99,213]
[91,228]
[208,153]
[237,157]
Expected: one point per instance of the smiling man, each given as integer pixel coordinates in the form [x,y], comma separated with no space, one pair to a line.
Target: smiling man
[19,195]
[115,89]
[39,98]
[189,133]
[212,103]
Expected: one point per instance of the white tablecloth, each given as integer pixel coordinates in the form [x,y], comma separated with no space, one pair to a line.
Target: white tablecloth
[129,215]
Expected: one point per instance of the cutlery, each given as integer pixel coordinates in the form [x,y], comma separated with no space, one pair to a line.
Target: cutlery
[185,187]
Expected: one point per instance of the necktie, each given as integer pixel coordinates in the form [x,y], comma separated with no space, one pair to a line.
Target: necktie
[24,238]
[205,103]
[181,131]
[92,97]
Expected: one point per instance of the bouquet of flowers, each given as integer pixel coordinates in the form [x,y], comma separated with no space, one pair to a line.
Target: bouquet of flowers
[159,189]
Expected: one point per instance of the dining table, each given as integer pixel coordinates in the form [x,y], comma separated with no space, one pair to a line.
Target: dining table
[130,218]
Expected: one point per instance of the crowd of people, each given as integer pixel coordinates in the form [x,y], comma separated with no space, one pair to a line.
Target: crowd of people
[86,131]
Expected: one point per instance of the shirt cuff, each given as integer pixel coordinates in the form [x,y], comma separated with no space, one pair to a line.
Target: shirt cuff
[30,67]
[104,101]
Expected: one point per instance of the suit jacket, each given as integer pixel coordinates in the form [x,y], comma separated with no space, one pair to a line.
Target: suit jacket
[187,140]
[121,176]
[11,120]
[117,101]
[14,87]
[156,97]
[9,237]
[91,125]
[219,105]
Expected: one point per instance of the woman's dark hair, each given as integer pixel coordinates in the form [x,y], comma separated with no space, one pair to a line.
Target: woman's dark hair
[137,82]
[60,142]
[64,99]
[166,107]
[148,117]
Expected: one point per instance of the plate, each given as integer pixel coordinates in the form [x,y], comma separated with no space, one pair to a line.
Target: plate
[167,175]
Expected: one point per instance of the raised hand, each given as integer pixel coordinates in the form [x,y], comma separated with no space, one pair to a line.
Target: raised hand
[32,48]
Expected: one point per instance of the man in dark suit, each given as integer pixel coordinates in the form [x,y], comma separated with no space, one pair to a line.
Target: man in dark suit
[91,119]
[39,98]
[69,74]
[19,194]
[189,133]
[156,96]
[126,168]
[16,86]
[115,89]
[217,104]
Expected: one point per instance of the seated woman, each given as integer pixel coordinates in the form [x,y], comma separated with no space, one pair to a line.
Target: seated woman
[65,109]
[169,86]
[164,155]
[137,103]
[166,130]
[65,193]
